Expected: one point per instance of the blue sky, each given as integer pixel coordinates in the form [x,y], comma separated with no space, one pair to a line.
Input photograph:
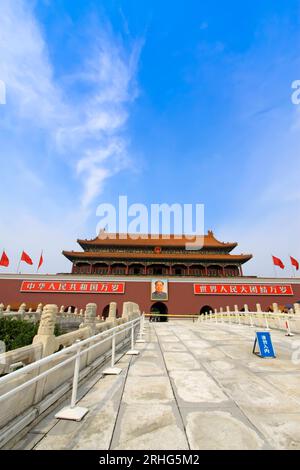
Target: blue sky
[176,102]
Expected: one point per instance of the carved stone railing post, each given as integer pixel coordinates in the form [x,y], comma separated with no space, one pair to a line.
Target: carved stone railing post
[127,310]
[297,309]
[1,310]
[258,314]
[112,315]
[297,317]
[45,334]
[39,309]
[62,310]
[275,308]
[22,310]
[228,313]
[7,309]
[248,317]
[216,315]
[237,314]
[135,310]
[38,312]
[90,318]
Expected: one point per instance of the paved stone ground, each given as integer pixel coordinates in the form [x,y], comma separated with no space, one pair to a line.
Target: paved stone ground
[193,386]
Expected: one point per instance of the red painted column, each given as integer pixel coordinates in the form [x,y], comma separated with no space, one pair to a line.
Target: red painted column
[127,270]
[206,271]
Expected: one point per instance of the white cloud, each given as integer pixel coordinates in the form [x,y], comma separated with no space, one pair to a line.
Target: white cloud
[82,130]
[25,67]
[86,136]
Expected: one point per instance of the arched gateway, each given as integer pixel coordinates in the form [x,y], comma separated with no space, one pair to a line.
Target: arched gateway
[159,308]
[206,309]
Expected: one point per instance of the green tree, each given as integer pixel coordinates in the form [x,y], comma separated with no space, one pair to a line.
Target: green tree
[19,333]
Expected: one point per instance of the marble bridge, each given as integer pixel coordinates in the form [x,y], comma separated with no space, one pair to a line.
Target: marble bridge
[192,386]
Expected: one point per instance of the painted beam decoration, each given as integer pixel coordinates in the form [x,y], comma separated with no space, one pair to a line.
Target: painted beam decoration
[243,289]
[74,287]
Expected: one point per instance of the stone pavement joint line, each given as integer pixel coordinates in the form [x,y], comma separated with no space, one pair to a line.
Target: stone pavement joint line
[191,387]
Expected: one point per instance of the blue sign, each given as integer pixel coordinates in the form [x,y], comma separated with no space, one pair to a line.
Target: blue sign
[264,341]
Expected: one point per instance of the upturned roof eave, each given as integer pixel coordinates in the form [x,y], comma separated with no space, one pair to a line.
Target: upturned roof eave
[75,255]
[97,242]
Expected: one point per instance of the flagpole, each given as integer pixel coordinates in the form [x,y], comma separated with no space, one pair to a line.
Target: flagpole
[293,268]
[274,270]
[2,253]
[19,264]
[39,261]
[4,250]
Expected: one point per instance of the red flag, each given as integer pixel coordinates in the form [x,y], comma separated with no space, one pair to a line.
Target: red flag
[4,261]
[41,261]
[295,263]
[25,257]
[278,262]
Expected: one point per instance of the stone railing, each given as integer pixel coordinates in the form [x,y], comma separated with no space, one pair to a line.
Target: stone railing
[20,409]
[63,318]
[21,313]
[45,342]
[290,322]
[11,360]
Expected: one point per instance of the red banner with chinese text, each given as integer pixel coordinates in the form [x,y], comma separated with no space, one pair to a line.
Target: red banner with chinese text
[243,289]
[74,287]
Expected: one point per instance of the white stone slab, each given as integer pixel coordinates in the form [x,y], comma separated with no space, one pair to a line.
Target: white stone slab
[73,414]
[218,430]
[112,371]
[181,360]
[151,428]
[197,387]
[147,390]
[281,430]
[133,352]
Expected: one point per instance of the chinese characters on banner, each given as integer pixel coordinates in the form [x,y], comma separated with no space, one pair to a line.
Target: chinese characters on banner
[264,340]
[243,289]
[75,287]
[266,349]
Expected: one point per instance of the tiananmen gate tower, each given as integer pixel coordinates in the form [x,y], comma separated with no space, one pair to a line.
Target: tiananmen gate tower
[158,272]
[119,254]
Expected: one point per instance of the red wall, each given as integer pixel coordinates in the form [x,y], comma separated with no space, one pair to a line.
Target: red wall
[181,297]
